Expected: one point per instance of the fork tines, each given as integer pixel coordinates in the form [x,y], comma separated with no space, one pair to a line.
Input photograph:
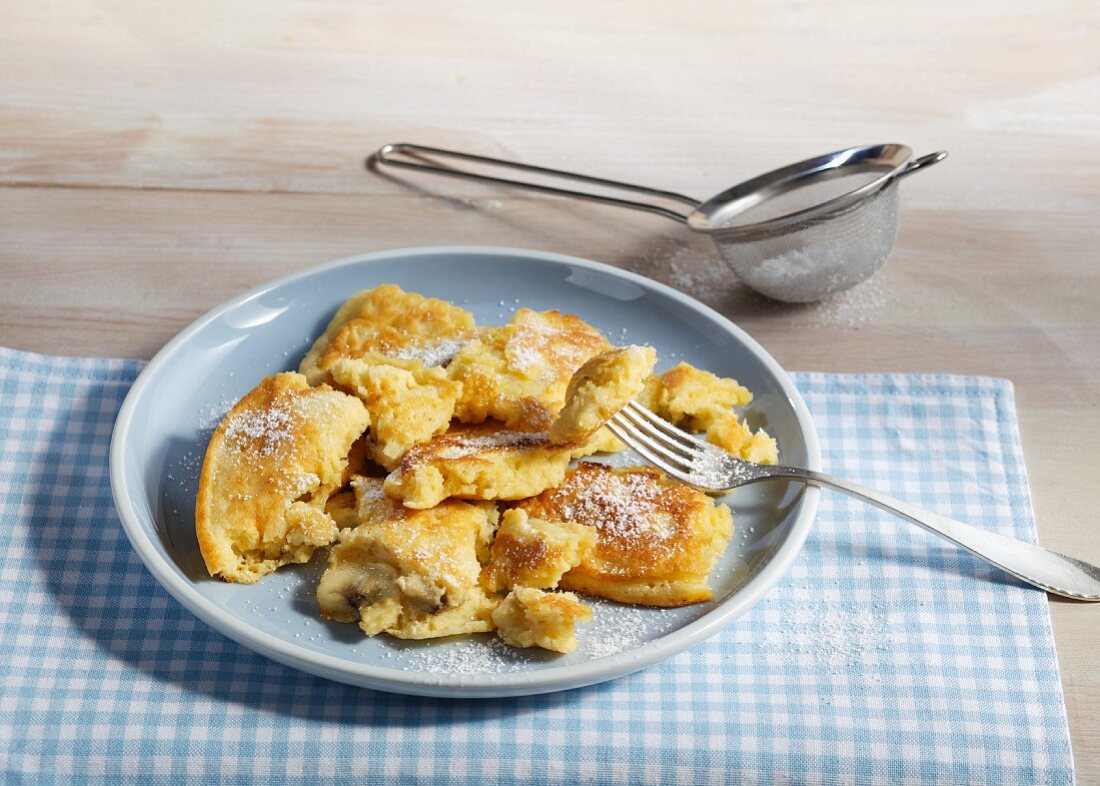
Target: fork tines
[667,447]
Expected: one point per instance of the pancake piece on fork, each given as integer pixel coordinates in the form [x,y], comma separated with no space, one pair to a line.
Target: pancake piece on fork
[600,388]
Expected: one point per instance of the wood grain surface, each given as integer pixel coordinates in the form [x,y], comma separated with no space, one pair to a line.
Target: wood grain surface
[158,158]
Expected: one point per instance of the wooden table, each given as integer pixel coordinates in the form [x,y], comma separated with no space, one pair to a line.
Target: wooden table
[156,160]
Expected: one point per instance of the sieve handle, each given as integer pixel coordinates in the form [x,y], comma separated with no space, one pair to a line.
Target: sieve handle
[420,157]
[920,163]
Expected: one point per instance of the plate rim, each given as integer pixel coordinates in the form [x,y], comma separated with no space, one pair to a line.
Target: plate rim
[482,685]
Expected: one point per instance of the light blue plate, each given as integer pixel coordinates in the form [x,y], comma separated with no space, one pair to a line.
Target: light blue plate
[161,433]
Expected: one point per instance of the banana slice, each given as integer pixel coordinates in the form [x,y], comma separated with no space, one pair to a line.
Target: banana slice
[410,573]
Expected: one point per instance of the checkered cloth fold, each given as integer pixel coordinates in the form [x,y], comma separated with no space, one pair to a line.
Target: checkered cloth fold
[884,656]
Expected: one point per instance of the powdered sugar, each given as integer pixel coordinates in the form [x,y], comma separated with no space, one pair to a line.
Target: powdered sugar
[300,484]
[543,348]
[713,470]
[614,628]
[858,305]
[838,636]
[438,353]
[261,431]
[806,275]
[369,490]
[526,348]
[213,414]
[622,505]
[462,446]
[474,655]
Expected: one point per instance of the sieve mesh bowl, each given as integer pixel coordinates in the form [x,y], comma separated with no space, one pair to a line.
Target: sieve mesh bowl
[813,259]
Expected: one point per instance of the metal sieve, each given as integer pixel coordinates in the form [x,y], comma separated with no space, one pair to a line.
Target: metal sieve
[797,234]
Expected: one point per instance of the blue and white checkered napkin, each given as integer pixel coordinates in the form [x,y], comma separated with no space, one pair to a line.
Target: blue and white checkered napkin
[885,655]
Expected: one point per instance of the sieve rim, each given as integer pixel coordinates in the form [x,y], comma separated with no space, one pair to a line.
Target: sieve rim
[892,159]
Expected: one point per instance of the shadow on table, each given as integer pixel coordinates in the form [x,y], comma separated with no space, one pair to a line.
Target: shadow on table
[108,596]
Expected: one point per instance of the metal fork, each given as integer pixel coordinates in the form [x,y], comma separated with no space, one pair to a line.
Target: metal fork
[708,468]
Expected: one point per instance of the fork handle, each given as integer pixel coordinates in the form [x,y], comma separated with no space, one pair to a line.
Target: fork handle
[1056,573]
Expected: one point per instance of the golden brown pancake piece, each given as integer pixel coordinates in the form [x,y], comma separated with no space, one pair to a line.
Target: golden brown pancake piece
[529,617]
[657,540]
[341,508]
[530,552]
[518,373]
[388,346]
[487,461]
[684,390]
[412,574]
[389,325]
[600,388]
[269,470]
[698,400]
[407,406]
